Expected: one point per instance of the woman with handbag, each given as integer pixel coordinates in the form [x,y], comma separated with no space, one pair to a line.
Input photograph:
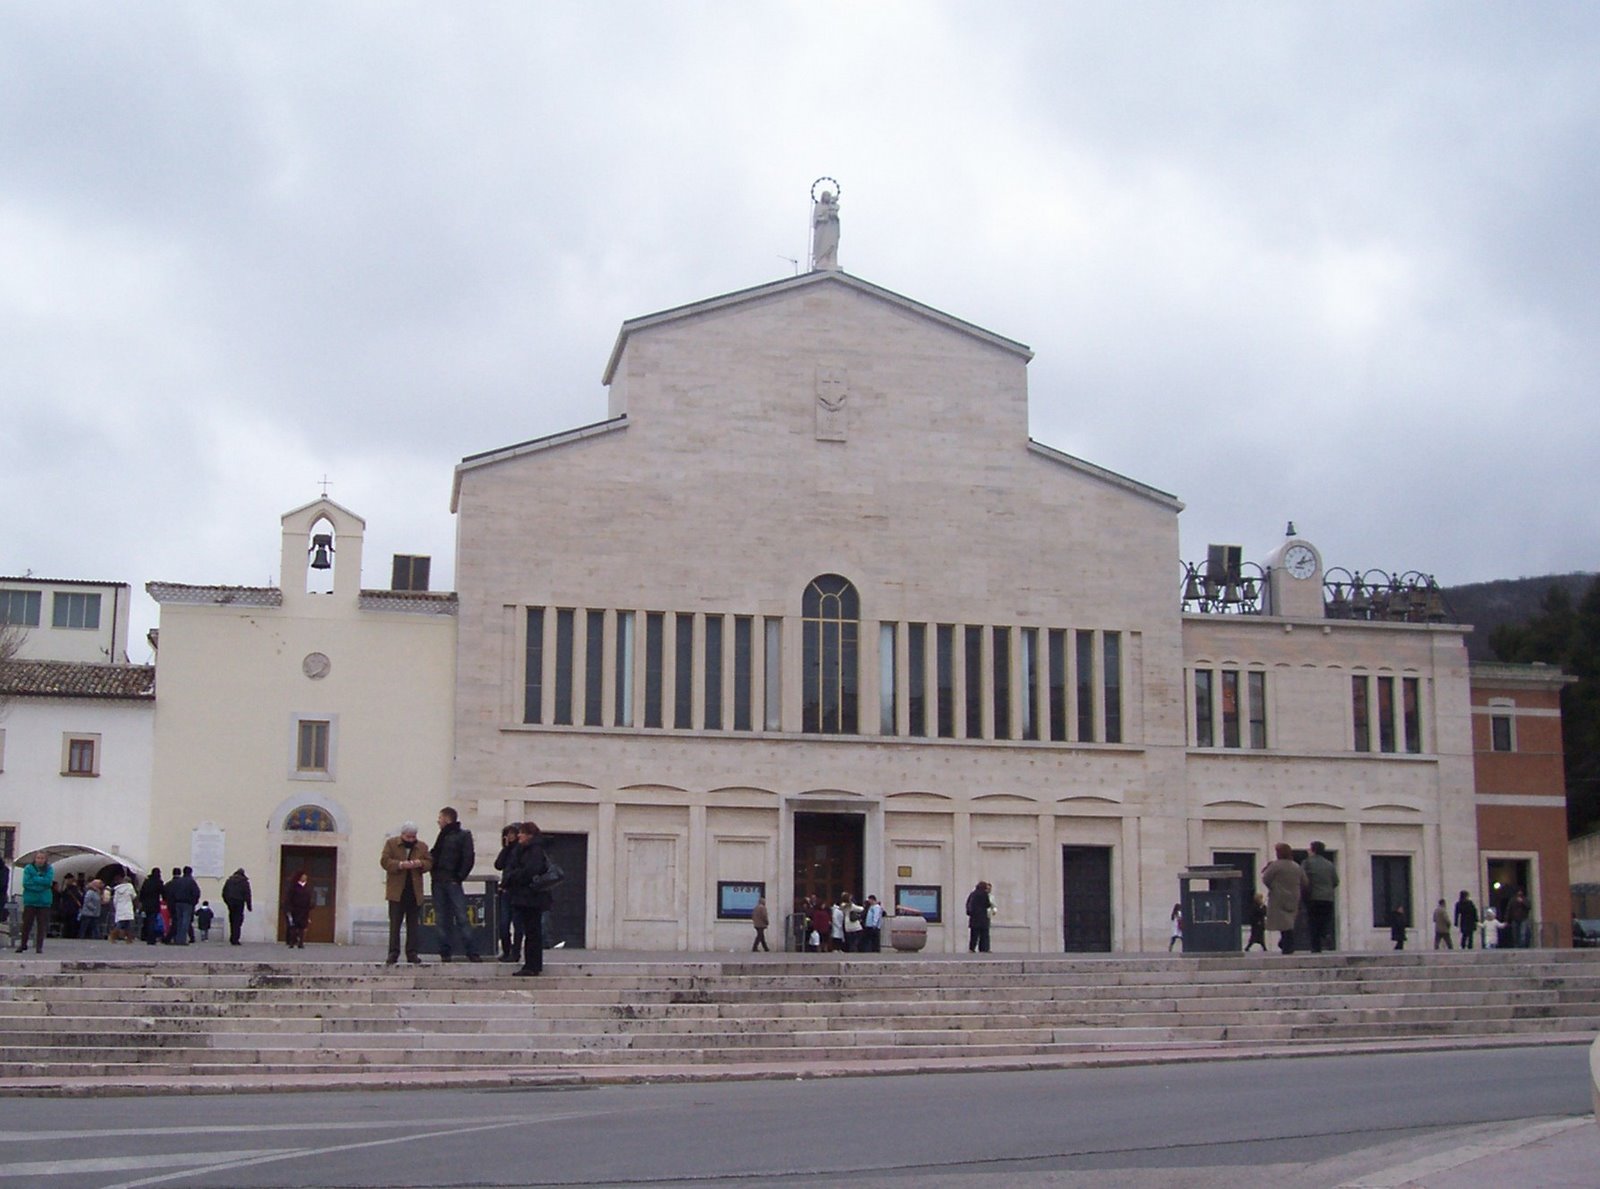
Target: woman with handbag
[529,877]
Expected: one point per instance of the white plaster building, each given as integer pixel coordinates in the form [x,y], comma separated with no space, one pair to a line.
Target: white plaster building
[76,741]
[66,619]
[298,725]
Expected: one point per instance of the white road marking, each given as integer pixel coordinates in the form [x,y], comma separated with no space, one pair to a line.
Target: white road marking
[91,1164]
[12,1137]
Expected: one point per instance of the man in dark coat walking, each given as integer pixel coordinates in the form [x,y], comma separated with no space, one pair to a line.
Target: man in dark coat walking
[979,903]
[236,896]
[453,858]
[1466,919]
[183,897]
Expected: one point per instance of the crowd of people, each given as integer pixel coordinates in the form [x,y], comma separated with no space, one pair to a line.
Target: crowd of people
[111,906]
[839,926]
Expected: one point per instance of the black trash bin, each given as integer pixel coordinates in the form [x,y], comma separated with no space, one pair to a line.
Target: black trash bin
[1213,915]
[480,896]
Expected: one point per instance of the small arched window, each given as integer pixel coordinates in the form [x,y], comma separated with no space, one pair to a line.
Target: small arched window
[830,617]
[312,818]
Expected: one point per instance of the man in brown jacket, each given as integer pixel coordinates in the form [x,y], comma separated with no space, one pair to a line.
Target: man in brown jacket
[405,858]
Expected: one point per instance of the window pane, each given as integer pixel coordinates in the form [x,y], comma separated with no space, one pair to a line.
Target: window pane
[917,677]
[75,611]
[1112,653]
[564,625]
[972,727]
[1358,710]
[1030,683]
[1085,687]
[624,707]
[1386,714]
[1230,708]
[713,673]
[945,664]
[886,679]
[533,668]
[743,670]
[1391,887]
[772,696]
[1411,693]
[313,746]
[654,656]
[19,607]
[828,646]
[1203,680]
[683,674]
[1058,684]
[1500,732]
[1258,709]
[594,646]
[1002,682]
[80,757]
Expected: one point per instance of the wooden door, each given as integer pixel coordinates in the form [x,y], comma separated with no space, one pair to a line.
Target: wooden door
[321,864]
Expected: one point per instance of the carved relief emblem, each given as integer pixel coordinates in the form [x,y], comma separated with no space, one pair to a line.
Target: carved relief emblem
[832,392]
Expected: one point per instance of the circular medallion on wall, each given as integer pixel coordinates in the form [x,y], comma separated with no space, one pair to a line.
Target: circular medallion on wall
[316,665]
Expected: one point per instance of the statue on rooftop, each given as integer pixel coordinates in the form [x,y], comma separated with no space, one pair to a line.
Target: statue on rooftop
[824,226]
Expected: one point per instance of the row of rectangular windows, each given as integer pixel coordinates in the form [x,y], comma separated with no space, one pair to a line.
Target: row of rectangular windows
[67,610]
[933,680]
[1381,721]
[1230,711]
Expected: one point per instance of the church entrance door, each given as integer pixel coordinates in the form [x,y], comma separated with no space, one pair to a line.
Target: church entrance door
[828,850]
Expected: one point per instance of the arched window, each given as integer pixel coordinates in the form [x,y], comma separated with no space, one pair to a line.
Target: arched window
[310,817]
[830,614]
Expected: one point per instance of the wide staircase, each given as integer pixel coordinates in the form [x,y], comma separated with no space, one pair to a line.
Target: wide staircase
[618,1017]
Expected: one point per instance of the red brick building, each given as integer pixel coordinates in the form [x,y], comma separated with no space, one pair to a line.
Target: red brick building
[1521,792]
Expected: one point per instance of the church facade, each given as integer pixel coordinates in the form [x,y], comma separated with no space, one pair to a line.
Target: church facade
[808,611]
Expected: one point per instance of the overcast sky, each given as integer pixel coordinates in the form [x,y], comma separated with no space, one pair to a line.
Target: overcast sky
[1328,263]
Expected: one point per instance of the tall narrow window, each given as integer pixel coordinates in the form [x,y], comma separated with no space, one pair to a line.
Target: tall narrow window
[1256,687]
[655,628]
[1411,708]
[713,672]
[772,694]
[683,674]
[1030,683]
[743,670]
[1500,738]
[887,689]
[533,668]
[917,677]
[1360,718]
[624,708]
[1111,653]
[1002,682]
[1058,684]
[1385,714]
[594,666]
[973,725]
[1230,708]
[945,665]
[563,710]
[831,613]
[1203,701]
[311,754]
[1085,687]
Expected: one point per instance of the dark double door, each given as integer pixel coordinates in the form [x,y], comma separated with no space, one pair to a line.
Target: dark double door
[569,908]
[1086,899]
[828,850]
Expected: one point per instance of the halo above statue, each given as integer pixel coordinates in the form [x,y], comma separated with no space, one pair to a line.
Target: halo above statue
[819,181]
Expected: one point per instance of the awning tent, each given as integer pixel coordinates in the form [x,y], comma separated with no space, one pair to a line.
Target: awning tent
[69,858]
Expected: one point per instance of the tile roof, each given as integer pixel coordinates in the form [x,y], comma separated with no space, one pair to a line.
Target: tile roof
[244,596]
[76,679]
[423,602]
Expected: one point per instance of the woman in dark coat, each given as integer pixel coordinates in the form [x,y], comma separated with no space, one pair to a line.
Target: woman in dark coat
[509,945]
[151,893]
[298,905]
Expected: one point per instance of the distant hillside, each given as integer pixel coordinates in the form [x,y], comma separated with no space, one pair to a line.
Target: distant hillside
[1487,605]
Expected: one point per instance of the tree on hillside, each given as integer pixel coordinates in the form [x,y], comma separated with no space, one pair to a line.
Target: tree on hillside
[1569,636]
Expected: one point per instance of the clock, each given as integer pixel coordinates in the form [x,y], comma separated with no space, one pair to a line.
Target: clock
[1300,561]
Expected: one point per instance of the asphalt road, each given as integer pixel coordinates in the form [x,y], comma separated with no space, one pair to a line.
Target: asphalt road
[1314,1121]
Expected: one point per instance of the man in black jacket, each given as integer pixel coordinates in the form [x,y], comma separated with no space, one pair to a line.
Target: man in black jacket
[236,896]
[527,887]
[453,858]
[183,896]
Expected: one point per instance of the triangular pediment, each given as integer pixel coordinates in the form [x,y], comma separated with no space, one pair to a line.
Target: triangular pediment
[794,284]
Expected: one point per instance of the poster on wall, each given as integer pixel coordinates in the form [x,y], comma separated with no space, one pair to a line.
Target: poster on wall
[736,901]
[206,847]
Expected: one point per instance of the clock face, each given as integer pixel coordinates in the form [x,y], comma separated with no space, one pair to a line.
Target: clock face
[1300,561]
